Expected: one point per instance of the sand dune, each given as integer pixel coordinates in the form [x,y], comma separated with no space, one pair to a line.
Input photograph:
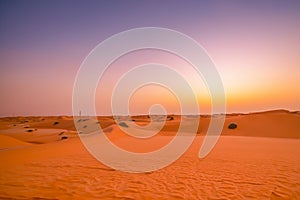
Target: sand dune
[7,142]
[263,165]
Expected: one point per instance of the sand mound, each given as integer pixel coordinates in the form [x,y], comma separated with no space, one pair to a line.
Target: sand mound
[38,136]
[279,124]
[7,142]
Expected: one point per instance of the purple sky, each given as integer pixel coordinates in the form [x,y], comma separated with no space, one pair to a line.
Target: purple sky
[255,45]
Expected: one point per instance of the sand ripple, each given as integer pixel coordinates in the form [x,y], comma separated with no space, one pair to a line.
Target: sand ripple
[238,168]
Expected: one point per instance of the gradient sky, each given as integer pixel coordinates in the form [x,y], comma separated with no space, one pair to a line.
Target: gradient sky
[255,46]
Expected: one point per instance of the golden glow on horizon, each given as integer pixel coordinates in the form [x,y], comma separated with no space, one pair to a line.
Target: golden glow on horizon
[247,88]
[145,97]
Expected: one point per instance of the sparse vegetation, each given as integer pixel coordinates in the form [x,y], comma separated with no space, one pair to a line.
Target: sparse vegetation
[123,124]
[55,123]
[30,130]
[232,126]
[171,118]
[64,137]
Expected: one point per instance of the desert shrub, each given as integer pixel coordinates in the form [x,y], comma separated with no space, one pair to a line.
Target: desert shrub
[30,130]
[232,126]
[55,123]
[64,137]
[123,124]
[171,118]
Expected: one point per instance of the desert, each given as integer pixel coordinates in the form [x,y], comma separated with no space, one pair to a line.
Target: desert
[256,160]
[158,100]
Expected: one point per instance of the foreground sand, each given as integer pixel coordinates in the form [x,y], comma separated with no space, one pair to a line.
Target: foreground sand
[40,164]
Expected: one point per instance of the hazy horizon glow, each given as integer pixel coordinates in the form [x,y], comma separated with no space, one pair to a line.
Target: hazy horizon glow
[255,46]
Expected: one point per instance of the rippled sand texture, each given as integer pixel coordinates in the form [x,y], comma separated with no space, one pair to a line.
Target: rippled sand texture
[42,165]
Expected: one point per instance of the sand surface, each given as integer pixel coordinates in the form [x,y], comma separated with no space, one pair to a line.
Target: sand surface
[43,158]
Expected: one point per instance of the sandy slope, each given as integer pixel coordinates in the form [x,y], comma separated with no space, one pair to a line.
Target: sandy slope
[40,164]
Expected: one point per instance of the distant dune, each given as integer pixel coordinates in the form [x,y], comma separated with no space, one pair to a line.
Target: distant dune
[275,123]
[43,158]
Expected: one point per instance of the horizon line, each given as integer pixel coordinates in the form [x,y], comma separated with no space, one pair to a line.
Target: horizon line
[168,114]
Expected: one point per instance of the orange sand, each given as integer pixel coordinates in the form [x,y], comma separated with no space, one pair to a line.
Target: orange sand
[39,164]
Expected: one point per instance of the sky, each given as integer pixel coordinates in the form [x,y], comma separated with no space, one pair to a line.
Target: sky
[255,46]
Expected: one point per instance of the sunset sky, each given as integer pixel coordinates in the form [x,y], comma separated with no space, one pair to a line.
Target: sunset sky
[255,46]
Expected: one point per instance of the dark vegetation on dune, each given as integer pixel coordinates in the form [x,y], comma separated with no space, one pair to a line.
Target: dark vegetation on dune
[123,124]
[64,137]
[232,126]
[170,118]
